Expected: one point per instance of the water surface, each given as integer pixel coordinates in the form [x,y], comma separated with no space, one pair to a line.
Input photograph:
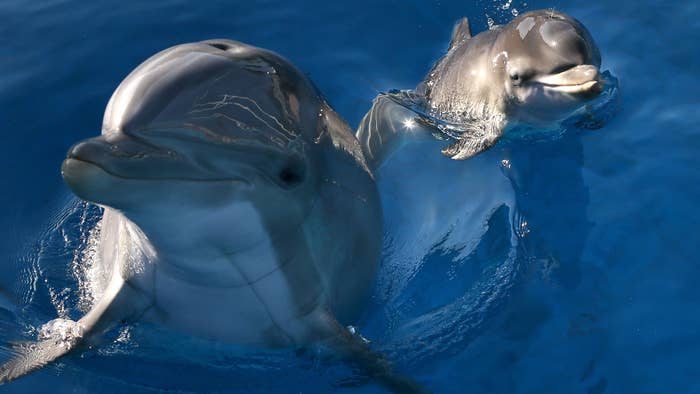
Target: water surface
[572,269]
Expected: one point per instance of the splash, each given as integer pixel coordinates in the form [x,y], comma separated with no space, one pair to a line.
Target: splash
[61,332]
[88,270]
[499,12]
[58,268]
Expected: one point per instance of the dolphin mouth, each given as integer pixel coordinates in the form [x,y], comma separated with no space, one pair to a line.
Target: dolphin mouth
[71,164]
[128,157]
[581,79]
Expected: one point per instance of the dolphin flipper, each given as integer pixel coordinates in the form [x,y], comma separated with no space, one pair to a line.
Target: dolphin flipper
[61,336]
[469,145]
[64,336]
[385,129]
[355,350]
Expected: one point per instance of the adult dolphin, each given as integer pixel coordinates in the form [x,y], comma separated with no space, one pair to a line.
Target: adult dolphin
[537,70]
[237,207]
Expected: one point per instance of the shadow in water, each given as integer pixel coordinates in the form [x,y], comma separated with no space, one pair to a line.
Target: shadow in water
[482,257]
[452,251]
[555,310]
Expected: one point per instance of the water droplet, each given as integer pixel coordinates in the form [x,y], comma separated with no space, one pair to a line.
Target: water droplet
[490,22]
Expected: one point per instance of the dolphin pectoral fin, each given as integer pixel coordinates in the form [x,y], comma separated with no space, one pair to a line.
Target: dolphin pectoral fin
[29,357]
[61,336]
[461,32]
[469,146]
[356,350]
[386,128]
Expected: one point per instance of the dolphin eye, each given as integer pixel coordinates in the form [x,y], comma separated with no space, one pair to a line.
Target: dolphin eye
[291,174]
[518,78]
[521,76]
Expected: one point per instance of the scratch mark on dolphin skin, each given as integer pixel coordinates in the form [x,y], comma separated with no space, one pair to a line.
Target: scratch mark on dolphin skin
[257,295]
[291,134]
[240,124]
[213,83]
[212,105]
[255,115]
[247,282]
[227,100]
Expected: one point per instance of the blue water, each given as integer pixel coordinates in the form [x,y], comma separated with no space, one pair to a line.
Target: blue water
[572,269]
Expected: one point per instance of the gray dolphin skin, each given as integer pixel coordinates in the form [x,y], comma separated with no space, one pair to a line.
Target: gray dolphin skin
[537,70]
[238,207]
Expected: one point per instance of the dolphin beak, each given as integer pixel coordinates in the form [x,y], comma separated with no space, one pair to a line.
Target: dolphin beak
[171,155]
[582,79]
[116,154]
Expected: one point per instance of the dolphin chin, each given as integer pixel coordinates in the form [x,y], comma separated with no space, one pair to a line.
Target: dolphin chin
[87,180]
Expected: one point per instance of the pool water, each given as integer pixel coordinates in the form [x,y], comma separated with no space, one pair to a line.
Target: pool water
[550,265]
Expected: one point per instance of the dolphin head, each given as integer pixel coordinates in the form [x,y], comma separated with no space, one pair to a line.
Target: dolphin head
[550,66]
[219,128]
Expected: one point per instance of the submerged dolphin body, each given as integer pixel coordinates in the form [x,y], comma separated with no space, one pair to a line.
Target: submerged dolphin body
[537,70]
[237,207]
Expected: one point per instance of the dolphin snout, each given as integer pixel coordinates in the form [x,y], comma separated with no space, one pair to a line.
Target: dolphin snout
[584,79]
[180,154]
[100,149]
[577,75]
[118,155]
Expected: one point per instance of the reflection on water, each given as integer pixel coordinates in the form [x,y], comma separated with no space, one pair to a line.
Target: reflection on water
[551,192]
[53,269]
[452,252]
[603,286]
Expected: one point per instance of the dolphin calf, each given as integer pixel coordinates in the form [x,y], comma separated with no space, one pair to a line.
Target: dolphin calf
[537,70]
[238,207]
